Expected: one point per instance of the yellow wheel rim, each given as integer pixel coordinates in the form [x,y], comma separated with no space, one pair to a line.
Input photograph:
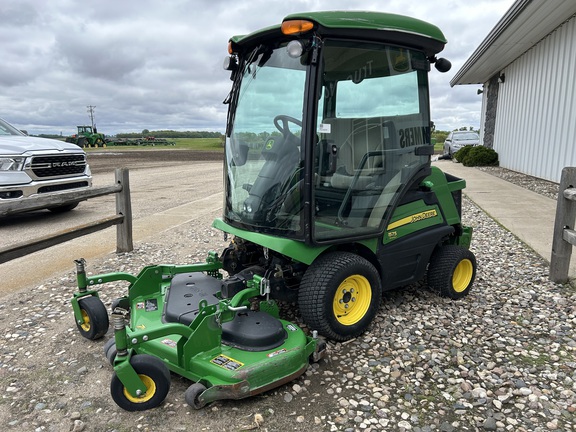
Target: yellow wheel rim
[85,321]
[352,300]
[462,275]
[150,390]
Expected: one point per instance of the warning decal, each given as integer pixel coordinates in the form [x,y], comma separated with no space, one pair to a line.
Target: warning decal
[227,362]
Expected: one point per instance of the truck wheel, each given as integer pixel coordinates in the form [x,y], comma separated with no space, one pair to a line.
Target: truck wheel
[155,376]
[192,394]
[339,295]
[452,271]
[63,208]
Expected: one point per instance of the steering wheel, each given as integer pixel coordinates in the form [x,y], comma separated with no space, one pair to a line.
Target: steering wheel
[281,122]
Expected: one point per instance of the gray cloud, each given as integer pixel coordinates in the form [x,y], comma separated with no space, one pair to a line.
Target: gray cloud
[157,65]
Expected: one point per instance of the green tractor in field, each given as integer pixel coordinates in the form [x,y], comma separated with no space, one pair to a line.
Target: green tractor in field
[330,199]
[87,137]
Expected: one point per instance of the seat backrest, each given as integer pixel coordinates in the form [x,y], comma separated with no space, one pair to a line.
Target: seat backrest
[353,139]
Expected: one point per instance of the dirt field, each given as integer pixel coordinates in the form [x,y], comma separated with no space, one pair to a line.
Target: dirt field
[104,161]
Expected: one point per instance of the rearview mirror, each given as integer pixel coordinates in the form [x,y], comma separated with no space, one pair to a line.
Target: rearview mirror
[443,65]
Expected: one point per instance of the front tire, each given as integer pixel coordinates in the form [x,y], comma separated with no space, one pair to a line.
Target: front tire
[95,321]
[339,295]
[156,377]
[452,271]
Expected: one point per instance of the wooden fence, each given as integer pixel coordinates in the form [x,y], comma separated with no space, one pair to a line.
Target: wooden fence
[564,233]
[122,219]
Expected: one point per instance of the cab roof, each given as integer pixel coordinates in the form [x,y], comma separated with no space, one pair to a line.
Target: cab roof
[377,26]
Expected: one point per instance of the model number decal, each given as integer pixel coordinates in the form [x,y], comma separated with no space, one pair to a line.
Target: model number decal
[278,352]
[226,362]
[413,218]
[169,342]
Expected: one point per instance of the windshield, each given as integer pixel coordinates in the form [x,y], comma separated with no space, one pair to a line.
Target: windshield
[7,129]
[340,171]
[263,149]
[466,136]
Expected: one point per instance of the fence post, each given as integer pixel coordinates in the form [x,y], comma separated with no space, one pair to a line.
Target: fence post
[124,207]
[563,227]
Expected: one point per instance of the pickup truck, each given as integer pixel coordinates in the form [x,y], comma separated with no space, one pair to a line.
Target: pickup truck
[32,167]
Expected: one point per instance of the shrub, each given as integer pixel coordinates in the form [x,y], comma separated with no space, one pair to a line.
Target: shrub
[461,154]
[476,156]
[480,156]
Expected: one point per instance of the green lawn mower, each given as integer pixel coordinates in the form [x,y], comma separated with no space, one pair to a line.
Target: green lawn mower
[330,199]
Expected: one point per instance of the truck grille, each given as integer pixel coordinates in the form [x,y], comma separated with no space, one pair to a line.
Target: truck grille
[62,187]
[57,166]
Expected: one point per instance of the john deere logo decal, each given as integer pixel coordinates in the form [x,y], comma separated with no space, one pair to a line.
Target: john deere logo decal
[413,218]
[269,144]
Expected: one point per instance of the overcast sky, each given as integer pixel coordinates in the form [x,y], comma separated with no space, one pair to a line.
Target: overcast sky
[149,64]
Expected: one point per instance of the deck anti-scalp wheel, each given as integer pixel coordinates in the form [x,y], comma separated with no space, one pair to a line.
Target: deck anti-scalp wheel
[110,351]
[339,295]
[156,377]
[452,271]
[95,321]
[192,394]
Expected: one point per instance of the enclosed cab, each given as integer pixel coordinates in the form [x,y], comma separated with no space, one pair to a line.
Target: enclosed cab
[328,147]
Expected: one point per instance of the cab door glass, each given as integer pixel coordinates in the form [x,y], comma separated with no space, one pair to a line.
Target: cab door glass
[373,113]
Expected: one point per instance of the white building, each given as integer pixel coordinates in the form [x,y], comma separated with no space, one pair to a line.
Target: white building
[527,67]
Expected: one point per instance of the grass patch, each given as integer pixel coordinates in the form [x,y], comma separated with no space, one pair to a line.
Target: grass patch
[540,360]
[198,143]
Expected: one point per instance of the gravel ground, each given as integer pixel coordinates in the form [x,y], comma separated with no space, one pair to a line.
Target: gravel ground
[501,359]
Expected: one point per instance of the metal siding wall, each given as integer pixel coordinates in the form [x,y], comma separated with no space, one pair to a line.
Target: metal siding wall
[535,121]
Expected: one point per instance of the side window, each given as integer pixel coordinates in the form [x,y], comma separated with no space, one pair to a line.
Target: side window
[372,114]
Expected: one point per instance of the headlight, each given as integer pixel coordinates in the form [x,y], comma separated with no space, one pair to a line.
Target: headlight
[9,163]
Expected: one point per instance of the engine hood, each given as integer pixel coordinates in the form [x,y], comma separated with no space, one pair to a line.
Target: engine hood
[17,145]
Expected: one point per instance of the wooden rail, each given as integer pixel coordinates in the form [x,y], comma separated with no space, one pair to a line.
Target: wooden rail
[564,233]
[122,219]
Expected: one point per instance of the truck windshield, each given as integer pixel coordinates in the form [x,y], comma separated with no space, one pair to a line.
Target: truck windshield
[7,129]
[263,149]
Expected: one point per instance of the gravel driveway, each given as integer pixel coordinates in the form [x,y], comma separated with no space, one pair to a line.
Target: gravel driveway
[502,359]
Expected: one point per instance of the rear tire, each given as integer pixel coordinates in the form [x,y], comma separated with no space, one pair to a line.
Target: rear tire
[154,374]
[452,271]
[94,318]
[339,295]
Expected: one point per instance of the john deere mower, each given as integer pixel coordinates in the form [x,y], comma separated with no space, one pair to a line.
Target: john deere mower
[330,199]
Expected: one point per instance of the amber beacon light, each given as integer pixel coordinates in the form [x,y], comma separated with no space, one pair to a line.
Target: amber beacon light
[293,27]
